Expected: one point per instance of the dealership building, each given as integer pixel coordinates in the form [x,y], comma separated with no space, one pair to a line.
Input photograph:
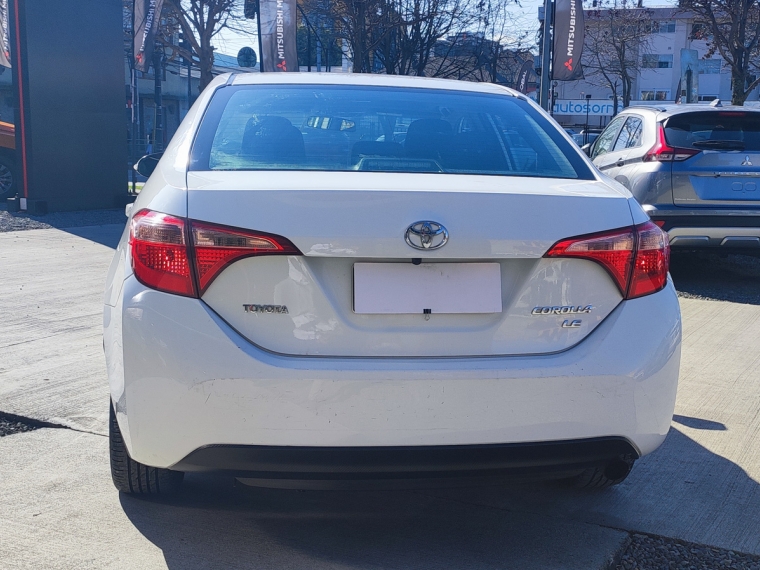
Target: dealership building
[672,48]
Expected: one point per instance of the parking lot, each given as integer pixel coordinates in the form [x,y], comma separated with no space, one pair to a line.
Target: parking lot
[58,507]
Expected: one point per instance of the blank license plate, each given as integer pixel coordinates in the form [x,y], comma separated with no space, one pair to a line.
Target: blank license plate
[405,288]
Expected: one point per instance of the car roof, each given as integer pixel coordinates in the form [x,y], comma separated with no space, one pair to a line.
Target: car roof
[669,109]
[368,79]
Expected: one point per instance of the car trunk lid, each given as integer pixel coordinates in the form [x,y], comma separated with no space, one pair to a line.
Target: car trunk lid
[498,228]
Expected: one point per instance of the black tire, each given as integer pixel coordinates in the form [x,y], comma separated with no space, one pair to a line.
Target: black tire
[132,477]
[7,177]
[613,473]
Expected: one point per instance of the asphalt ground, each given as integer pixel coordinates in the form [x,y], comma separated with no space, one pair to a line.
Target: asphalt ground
[693,503]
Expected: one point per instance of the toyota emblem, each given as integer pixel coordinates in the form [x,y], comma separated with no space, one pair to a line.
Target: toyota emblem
[426,235]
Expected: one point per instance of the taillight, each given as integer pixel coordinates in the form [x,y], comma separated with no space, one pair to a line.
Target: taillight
[650,267]
[159,253]
[184,256]
[663,152]
[218,246]
[636,258]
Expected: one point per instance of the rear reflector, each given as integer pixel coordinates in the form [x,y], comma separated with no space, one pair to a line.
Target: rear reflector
[181,256]
[636,258]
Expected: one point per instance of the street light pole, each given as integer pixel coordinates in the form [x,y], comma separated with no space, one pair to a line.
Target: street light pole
[546,54]
[585,130]
[158,123]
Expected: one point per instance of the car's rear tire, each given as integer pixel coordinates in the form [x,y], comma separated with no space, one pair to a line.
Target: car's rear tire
[613,473]
[132,477]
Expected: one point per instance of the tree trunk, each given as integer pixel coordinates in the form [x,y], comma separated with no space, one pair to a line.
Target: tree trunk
[627,86]
[206,64]
[738,95]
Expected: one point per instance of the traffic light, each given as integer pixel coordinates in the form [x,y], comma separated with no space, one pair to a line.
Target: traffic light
[251,9]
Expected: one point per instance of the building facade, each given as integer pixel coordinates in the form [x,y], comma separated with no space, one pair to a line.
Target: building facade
[675,53]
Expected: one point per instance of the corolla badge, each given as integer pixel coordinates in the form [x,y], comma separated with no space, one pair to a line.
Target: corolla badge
[426,235]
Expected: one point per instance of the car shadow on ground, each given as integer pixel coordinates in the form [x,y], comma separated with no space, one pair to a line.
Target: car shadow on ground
[718,276]
[107,235]
[682,490]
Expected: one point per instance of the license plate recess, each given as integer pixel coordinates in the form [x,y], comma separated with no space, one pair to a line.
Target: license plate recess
[405,288]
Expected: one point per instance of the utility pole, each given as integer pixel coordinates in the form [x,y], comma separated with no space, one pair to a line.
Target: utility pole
[133,105]
[158,123]
[546,54]
[319,47]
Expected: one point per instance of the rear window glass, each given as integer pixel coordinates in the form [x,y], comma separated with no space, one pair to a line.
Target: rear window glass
[334,128]
[719,130]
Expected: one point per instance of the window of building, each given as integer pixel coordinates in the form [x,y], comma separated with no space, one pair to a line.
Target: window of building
[655,95]
[664,27]
[700,32]
[708,98]
[709,66]
[657,61]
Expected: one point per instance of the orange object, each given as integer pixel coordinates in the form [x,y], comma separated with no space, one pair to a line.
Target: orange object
[7,136]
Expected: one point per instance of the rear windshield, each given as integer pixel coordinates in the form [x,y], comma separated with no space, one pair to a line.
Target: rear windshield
[718,130]
[334,128]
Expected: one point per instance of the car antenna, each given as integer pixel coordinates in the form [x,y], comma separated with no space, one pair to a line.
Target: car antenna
[716,103]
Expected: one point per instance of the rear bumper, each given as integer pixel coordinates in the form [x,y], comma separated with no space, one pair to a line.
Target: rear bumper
[412,462]
[709,228]
[182,379]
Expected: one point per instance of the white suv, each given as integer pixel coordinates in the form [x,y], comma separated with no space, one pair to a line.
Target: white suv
[369,277]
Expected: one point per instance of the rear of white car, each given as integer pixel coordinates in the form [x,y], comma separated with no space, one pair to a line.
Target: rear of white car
[371,278]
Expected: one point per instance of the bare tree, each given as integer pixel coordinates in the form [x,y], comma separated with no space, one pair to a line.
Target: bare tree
[361,25]
[441,38]
[408,47]
[617,36]
[483,48]
[732,28]
[200,21]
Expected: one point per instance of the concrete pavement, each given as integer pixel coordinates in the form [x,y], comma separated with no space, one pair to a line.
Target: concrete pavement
[58,508]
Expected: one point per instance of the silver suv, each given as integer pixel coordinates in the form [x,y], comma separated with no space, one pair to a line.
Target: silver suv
[694,168]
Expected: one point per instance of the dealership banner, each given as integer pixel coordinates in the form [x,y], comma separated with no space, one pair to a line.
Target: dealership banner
[569,34]
[147,14]
[595,107]
[278,35]
[523,76]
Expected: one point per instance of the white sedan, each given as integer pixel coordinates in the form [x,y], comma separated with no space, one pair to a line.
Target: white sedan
[363,277]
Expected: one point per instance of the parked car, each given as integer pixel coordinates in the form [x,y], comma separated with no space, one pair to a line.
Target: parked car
[7,160]
[694,168]
[475,302]
[584,138]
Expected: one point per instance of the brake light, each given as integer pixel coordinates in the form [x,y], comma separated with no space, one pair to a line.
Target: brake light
[183,257]
[218,246]
[663,152]
[159,253]
[636,258]
[650,267]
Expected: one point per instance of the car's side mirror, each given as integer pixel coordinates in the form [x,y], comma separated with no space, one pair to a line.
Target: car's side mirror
[147,164]
[587,148]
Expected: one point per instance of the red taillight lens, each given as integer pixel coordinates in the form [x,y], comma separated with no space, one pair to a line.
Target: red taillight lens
[650,268]
[663,152]
[218,246]
[159,253]
[612,250]
[637,258]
